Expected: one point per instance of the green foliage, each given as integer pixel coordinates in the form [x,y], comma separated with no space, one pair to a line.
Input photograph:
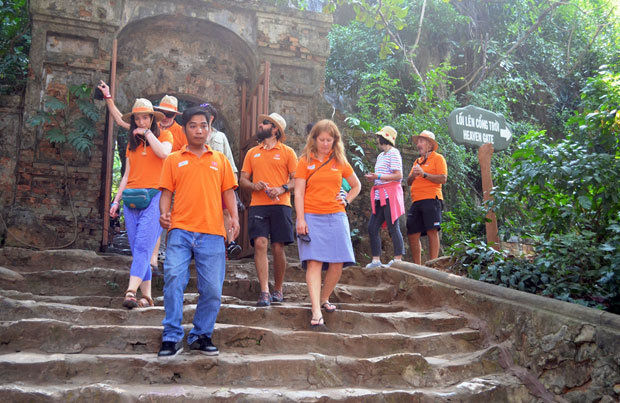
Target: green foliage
[573,267]
[535,63]
[391,14]
[354,53]
[15,40]
[566,184]
[379,97]
[563,193]
[71,121]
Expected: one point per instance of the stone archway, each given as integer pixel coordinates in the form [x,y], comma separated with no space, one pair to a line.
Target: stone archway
[167,47]
[190,58]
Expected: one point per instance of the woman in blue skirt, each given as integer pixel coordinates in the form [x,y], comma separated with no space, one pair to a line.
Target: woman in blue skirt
[324,239]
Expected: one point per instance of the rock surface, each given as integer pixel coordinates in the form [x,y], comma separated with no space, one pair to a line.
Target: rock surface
[64,336]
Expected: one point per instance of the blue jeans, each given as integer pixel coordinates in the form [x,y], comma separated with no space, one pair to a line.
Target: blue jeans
[210,257]
[143,229]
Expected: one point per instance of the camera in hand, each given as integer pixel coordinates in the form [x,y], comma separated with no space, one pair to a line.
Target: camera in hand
[98,95]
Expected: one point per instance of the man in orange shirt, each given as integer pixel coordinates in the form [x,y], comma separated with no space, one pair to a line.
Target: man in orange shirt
[268,171]
[169,107]
[427,175]
[201,179]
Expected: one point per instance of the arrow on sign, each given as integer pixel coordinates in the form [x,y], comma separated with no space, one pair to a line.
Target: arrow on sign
[505,133]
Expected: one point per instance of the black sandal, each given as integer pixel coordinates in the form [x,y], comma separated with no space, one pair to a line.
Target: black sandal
[329,307]
[320,324]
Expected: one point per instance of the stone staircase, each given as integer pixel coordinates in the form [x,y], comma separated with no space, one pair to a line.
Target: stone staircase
[65,337]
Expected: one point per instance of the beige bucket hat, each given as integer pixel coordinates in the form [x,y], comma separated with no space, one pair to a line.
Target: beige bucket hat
[388,133]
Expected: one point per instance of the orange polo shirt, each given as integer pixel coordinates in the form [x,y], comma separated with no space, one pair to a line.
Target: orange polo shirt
[198,184]
[272,166]
[324,185]
[422,189]
[144,170]
[178,135]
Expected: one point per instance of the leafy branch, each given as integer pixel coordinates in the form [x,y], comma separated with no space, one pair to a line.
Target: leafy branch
[391,16]
[59,122]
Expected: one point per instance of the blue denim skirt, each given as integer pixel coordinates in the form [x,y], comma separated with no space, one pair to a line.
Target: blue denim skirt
[330,240]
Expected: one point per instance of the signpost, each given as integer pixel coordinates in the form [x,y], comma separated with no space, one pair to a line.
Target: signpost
[476,126]
[488,131]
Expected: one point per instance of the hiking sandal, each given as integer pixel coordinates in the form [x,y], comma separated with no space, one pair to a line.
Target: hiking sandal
[145,302]
[130,300]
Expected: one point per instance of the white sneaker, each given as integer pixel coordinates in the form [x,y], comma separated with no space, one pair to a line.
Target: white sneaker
[391,262]
[373,265]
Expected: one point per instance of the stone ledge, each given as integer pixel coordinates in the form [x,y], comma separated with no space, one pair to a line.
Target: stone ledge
[527,300]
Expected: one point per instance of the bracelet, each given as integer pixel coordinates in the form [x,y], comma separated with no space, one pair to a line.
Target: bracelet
[424,175]
[379,176]
[113,203]
[108,97]
[346,203]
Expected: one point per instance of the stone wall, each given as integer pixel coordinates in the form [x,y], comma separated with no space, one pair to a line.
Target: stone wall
[10,125]
[558,349]
[56,200]
[198,50]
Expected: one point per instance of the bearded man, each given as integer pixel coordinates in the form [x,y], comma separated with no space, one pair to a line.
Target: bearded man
[268,171]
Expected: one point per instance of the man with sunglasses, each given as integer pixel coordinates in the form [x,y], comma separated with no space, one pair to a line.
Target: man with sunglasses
[428,173]
[268,171]
[169,107]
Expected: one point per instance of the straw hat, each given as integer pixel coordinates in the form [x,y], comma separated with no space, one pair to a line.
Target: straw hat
[168,104]
[143,105]
[388,133]
[277,120]
[428,135]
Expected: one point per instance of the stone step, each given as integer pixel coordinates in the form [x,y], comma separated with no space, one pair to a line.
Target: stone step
[189,298]
[295,371]
[24,260]
[291,316]
[393,306]
[490,388]
[112,283]
[91,300]
[51,336]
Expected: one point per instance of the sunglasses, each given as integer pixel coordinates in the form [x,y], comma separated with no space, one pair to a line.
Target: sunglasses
[266,122]
[304,237]
[169,114]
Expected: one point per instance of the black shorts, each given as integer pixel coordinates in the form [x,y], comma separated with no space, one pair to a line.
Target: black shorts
[271,222]
[424,215]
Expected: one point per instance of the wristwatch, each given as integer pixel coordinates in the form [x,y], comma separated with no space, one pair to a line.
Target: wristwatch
[424,175]
[285,187]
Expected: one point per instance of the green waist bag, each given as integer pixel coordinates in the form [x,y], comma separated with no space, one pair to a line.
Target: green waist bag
[138,198]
